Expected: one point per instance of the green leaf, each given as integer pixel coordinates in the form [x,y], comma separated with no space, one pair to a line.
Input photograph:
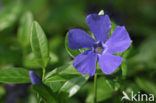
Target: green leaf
[146,85]
[44,92]
[14,75]
[73,85]
[9,15]
[72,53]
[67,69]
[57,77]
[39,44]
[24,30]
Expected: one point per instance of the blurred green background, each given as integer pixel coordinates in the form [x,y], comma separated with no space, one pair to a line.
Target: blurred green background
[57,17]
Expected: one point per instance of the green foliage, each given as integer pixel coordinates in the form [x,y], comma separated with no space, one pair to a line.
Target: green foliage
[62,73]
[65,79]
[58,76]
[39,44]
[30,61]
[104,90]
[124,62]
[9,15]
[147,52]
[14,75]
[24,30]
[146,85]
[62,82]
[73,85]
[44,92]
[10,54]
[2,91]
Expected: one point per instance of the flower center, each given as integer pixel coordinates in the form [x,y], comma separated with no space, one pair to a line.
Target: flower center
[99,47]
[99,50]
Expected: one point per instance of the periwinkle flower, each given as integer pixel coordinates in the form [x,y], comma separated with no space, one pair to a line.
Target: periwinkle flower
[34,78]
[102,48]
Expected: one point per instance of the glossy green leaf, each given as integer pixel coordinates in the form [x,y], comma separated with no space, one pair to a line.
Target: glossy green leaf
[72,53]
[24,30]
[73,85]
[67,69]
[14,75]
[60,75]
[9,15]
[44,92]
[39,44]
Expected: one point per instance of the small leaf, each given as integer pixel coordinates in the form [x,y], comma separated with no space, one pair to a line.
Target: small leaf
[14,75]
[73,85]
[39,44]
[72,53]
[101,12]
[44,92]
[24,30]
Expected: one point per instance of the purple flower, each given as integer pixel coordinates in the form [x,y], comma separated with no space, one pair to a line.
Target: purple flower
[34,78]
[102,48]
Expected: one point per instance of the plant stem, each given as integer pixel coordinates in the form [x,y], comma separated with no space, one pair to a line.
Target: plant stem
[43,74]
[95,87]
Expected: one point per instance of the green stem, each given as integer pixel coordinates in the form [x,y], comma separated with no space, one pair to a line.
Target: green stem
[43,74]
[95,87]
